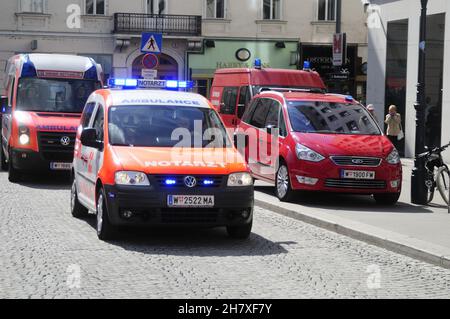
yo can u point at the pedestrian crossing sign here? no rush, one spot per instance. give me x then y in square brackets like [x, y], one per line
[151, 43]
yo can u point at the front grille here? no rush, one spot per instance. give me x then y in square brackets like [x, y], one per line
[179, 181]
[189, 215]
[353, 183]
[356, 161]
[52, 149]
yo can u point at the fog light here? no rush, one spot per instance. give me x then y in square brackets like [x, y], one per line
[24, 139]
[245, 214]
[307, 180]
[127, 214]
[395, 184]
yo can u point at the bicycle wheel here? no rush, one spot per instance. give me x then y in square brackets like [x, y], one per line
[443, 182]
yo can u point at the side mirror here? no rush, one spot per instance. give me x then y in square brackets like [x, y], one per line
[89, 138]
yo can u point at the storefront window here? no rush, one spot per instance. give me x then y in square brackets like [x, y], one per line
[396, 70]
[434, 78]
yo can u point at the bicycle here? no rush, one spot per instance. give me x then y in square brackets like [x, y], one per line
[437, 173]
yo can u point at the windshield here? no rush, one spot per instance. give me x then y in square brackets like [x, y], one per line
[166, 126]
[54, 95]
[331, 118]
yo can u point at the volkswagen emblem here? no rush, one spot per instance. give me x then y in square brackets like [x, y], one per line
[357, 161]
[190, 181]
[65, 141]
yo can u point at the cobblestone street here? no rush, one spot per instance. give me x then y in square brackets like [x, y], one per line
[47, 253]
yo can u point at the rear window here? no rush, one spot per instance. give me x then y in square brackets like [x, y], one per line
[331, 118]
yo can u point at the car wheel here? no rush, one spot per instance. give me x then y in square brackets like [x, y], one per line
[77, 210]
[13, 174]
[105, 231]
[240, 232]
[283, 188]
[3, 164]
[387, 199]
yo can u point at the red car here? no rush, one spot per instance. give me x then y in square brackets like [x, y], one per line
[318, 142]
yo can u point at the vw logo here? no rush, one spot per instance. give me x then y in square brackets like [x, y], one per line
[190, 181]
[65, 141]
[357, 161]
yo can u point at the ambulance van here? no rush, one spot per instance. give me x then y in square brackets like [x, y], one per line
[158, 158]
[46, 94]
[232, 89]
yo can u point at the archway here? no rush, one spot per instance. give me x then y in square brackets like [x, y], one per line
[167, 68]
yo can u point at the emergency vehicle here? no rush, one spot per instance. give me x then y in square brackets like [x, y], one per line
[232, 89]
[46, 95]
[302, 140]
[158, 158]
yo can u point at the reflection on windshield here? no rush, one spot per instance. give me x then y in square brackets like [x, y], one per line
[331, 118]
[53, 95]
[166, 126]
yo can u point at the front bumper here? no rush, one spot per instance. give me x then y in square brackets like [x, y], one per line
[329, 178]
[28, 160]
[149, 207]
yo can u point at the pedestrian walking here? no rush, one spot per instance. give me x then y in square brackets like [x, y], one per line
[394, 126]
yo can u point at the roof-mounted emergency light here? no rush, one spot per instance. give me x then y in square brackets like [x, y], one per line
[149, 84]
[258, 64]
[306, 66]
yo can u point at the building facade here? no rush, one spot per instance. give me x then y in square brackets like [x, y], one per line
[394, 31]
[199, 36]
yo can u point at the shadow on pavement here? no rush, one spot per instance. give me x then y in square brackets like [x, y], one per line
[335, 201]
[199, 242]
[49, 181]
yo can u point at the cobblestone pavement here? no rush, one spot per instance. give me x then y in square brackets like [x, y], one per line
[43, 250]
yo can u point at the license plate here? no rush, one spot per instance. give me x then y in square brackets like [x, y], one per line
[358, 175]
[190, 201]
[60, 166]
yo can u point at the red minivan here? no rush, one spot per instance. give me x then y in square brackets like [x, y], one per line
[318, 142]
[232, 89]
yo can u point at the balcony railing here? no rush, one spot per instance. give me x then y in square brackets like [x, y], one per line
[182, 25]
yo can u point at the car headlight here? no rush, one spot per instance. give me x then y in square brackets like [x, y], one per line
[24, 135]
[132, 179]
[306, 154]
[240, 179]
[394, 157]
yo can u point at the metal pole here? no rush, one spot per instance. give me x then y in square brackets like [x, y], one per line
[418, 187]
[338, 16]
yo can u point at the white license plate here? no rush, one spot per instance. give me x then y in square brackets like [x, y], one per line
[190, 201]
[60, 166]
[358, 175]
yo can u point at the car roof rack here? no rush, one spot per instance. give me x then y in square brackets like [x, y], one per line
[306, 90]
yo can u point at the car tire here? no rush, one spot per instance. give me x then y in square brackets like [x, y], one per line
[105, 230]
[14, 175]
[387, 199]
[283, 189]
[77, 210]
[240, 232]
[3, 163]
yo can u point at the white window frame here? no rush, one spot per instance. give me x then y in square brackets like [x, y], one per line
[225, 10]
[327, 18]
[95, 8]
[166, 10]
[271, 11]
[32, 3]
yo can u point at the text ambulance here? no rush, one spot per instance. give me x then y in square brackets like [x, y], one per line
[46, 95]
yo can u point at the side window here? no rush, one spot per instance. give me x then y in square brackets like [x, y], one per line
[244, 99]
[260, 115]
[229, 98]
[98, 123]
[87, 114]
[273, 115]
[246, 118]
[11, 92]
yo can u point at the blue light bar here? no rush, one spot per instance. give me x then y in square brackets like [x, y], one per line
[131, 82]
[207, 182]
[349, 98]
[258, 64]
[171, 182]
[147, 84]
[306, 65]
[172, 84]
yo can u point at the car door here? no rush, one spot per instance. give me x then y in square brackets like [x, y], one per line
[243, 101]
[228, 106]
[257, 123]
